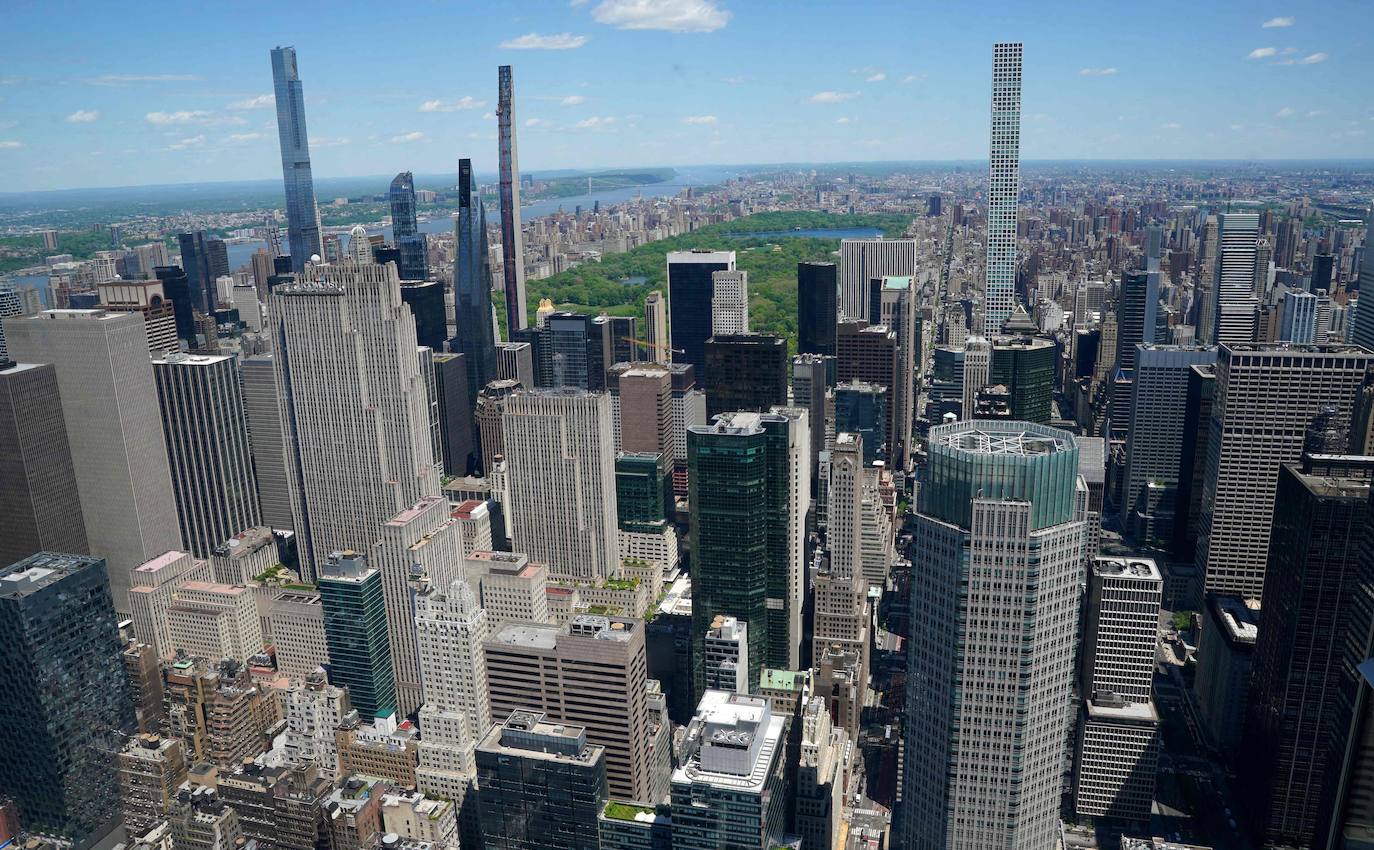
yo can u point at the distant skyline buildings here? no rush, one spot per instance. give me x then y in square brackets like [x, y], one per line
[302, 215]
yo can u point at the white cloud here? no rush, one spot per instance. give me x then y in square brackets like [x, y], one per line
[572, 100]
[244, 137]
[185, 116]
[671, 15]
[10, 144]
[84, 116]
[843, 120]
[1237, 126]
[191, 142]
[594, 122]
[538, 122]
[875, 78]
[737, 80]
[125, 79]
[1315, 113]
[832, 96]
[413, 136]
[262, 101]
[1097, 72]
[1313, 59]
[1277, 23]
[464, 102]
[535, 41]
[699, 119]
[1172, 125]
[1285, 112]
[488, 116]
[1262, 53]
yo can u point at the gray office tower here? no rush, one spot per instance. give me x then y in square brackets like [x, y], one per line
[1004, 179]
[817, 290]
[999, 543]
[195, 261]
[64, 695]
[302, 217]
[457, 431]
[109, 400]
[1154, 443]
[405, 229]
[476, 339]
[1234, 305]
[263, 416]
[512, 239]
[1135, 316]
[39, 506]
[207, 448]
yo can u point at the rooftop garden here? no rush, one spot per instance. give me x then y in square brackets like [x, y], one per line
[626, 811]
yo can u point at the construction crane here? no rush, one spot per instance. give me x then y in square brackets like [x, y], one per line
[643, 343]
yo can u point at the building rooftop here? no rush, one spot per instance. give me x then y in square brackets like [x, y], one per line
[415, 510]
[782, 680]
[181, 358]
[1144, 569]
[166, 559]
[1129, 712]
[1002, 438]
[40, 571]
[1240, 617]
[531, 635]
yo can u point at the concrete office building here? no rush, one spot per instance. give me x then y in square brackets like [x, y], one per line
[729, 789]
[424, 538]
[690, 295]
[646, 411]
[1265, 397]
[147, 298]
[450, 630]
[314, 710]
[150, 598]
[656, 343]
[543, 785]
[821, 771]
[40, 507]
[347, 372]
[725, 656]
[263, 417]
[1004, 184]
[1118, 739]
[279, 806]
[729, 303]
[298, 633]
[560, 459]
[1000, 496]
[57, 627]
[811, 377]
[1154, 443]
[589, 673]
[109, 402]
[868, 353]
[210, 620]
[840, 610]
[1234, 305]
[208, 448]
[151, 769]
[512, 589]
[865, 260]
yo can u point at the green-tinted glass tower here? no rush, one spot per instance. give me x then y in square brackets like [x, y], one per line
[643, 491]
[355, 631]
[1025, 366]
[747, 531]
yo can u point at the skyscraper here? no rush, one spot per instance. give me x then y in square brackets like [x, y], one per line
[999, 544]
[863, 261]
[1135, 316]
[347, 374]
[656, 328]
[729, 303]
[1362, 329]
[302, 216]
[263, 417]
[1233, 292]
[476, 340]
[176, 286]
[356, 630]
[512, 238]
[748, 475]
[817, 290]
[40, 509]
[745, 372]
[64, 694]
[560, 462]
[690, 294]
[195, 261]
[1004, 181]
[1265, 398]
[1311, 590]
[405, 230]
[109, 402]
[207, 448]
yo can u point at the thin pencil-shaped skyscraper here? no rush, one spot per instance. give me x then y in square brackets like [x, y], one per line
[302, 218]
[1004, 179]
[512, 240]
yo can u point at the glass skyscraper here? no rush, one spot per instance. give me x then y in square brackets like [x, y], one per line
[512, 238]
[355, 630]
[405, 229]
[476, 338]
[302, 218]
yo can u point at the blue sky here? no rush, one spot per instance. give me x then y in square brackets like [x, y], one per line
[130, 93]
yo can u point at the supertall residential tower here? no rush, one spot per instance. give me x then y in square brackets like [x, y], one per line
[472, 285]
[1004, 180]
[302, 217]
[512, 240]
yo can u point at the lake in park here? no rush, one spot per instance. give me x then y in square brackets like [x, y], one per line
[817, 233]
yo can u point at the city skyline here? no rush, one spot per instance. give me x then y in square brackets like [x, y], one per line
[588, 96]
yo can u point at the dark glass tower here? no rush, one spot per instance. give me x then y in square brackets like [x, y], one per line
[425, 298]
[1297, 677]
[64, 695]
[690, 293]
[512, 239]
[302, 218]
[355, 631]
[574, 351]
[218, 255]
[817, 289]
[745, 372]
[1135, 316]
[475, 340]
[643, 491]
[405, 229]
[1025, 366]
[861, 408]
[177, 287]
[195, 261]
